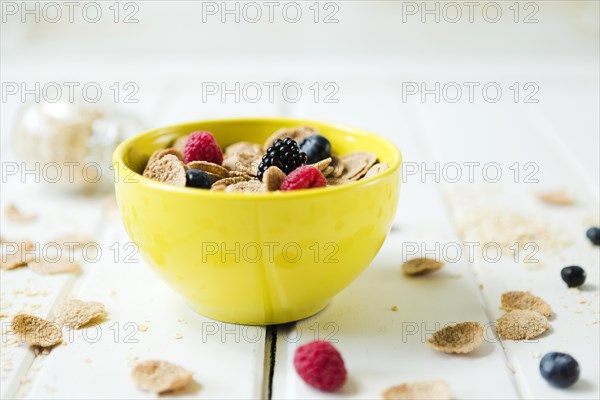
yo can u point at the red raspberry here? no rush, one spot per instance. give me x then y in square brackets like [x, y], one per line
[202, 146]
[304, 177]
[320, 365]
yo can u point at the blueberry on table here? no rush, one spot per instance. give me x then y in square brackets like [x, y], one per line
[573, 276]
[594, 235]
[197, 179]
[559, 369]
[316, 147]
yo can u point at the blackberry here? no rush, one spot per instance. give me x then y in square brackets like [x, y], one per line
[284, 154]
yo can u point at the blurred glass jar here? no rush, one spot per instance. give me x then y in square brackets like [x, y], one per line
[71, 145]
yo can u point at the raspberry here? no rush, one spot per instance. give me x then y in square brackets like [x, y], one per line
[284, 153]
[320, 365]
[202, 146]
[305, 177]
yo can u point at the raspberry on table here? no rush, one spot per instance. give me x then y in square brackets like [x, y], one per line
[304, 177]
[320, 365]
[202, 146]
[284, 154]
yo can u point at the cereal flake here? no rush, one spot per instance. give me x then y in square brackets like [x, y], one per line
[14, 214]
[336, 181]
[356, 164]
[327, 171]
[273, 178]
[168, 169]
[525, 301]
[212, 168]
[433, 389]
[557, 198]
[376, 169]
[243, 147]
[298, 133]
[338, 167]
[521, 324]
[323, 164]
[160, 153]
[47, 267]
[252, 186]
[180, 143]
[235, 174]
[420, 266]
[246, 163]
[22, 254]
[229, 181]
[460, 338]
[160, 376]
[36, 331]
[76, 313]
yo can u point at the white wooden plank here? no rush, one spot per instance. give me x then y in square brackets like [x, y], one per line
[134, 296]
[60, 211]
[381, 347]
[22, 290]
[137, 297]
[504, 134]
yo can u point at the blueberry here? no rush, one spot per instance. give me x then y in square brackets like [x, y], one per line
[559, 369]
[573, 276]
[197, 179]
[594, 235]
[316, 147]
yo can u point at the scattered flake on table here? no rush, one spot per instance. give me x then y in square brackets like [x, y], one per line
[13, 214]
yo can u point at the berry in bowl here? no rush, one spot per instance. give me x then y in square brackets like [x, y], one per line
[196, 160]
[257, 221]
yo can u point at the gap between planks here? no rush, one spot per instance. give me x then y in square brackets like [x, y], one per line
[269, 361]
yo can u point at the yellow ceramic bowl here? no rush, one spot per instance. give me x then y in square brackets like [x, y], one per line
[263, 258]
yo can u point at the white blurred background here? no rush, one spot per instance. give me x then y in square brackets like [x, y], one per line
[170, 49]
[188, 34]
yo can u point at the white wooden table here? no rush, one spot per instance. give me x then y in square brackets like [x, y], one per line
[381, 347]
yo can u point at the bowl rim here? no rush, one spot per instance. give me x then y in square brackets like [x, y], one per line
[118, 162]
